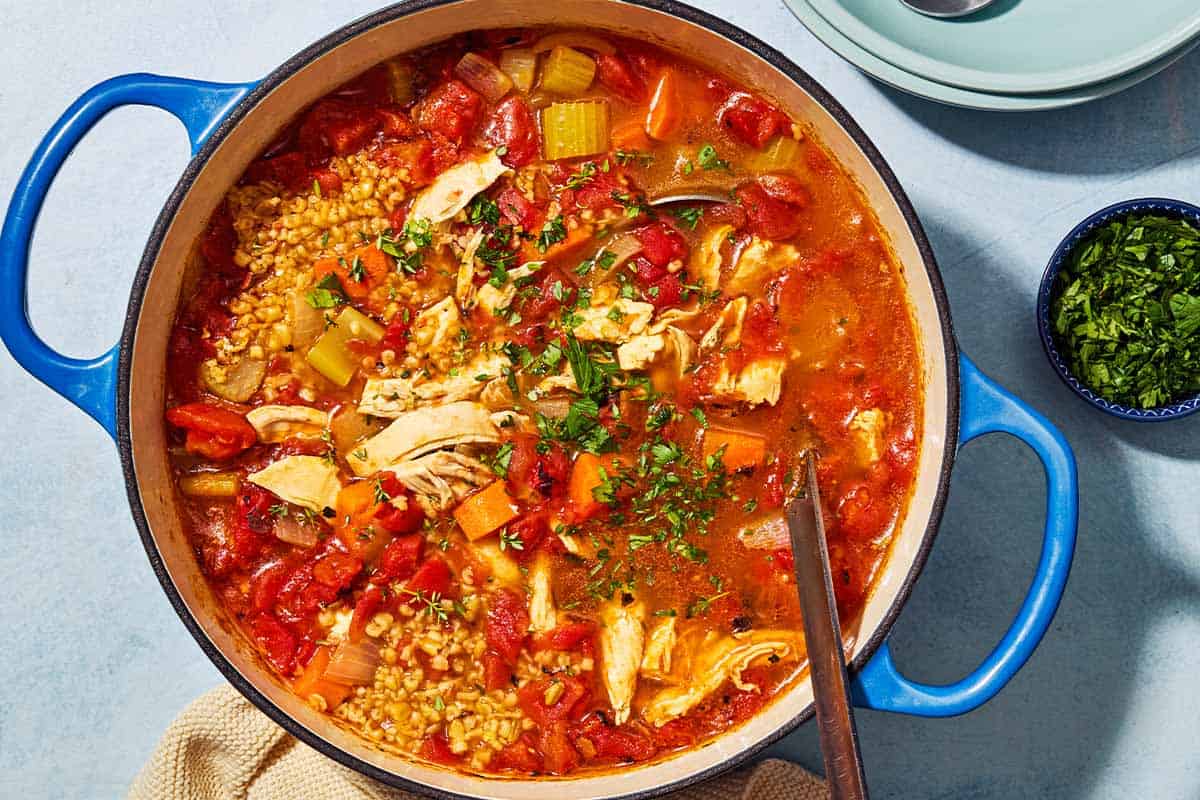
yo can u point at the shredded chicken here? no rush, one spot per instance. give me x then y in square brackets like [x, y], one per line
[867, 427]
[705, 265]
[274, 423]
[307, 481]
[464, 285]
[621, 641]
[758, 262]
[542, 615]
[391, 397]
[443, 479]
[455, 187]
[727, 330]
[423, 430]
[617, 322]
[716, 663]
[760, 381]
[660, 642]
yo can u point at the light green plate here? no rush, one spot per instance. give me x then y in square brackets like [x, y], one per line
[952, 95]
[1019, 46]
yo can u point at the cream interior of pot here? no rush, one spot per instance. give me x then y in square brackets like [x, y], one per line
[327, 72]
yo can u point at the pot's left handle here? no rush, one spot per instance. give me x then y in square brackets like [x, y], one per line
[88, 383]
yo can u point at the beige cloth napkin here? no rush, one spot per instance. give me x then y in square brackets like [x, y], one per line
[222, 748]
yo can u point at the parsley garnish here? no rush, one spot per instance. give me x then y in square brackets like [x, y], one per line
[328, 293]
[627, 157]
[1126, 311]
[553, 231]
[708, 159]
[483, 211]
[689, 215]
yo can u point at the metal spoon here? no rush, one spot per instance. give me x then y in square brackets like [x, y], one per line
[947, 9]
[823, 636]
[690, 197]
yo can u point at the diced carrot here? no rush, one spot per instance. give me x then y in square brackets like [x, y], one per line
[664, 107]
[312, 681]
[586, 478]
[630, 136]
[485, 511]
[355, 521]
[743, 450]
[358, 272]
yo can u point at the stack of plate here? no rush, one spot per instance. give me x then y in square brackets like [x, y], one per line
[1017, 55]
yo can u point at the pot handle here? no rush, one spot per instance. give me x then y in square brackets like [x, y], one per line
[989, 408]
[89, 383]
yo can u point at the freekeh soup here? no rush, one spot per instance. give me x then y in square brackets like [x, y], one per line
[486, 455]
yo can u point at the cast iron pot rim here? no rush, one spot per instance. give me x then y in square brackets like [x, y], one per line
[339, 37]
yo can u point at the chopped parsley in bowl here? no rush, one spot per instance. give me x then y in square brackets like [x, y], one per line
[1119, 310]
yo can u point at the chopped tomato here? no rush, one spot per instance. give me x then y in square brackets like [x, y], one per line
[252, 523]
[400, 520]
[507, 622]
[366, 608]
[451, 110]
[767, 216]
[395, 336]
[520, 756]
[514, 127]
[616, 75]
[436, 748]
[558, 754]
[415, 157]
[496, 672]
[212, 431]
[570, 705]
[612, 742]
[336, 570]
[219, 242]
[567, 636]
[399, 559]
[785, 189]
[666, 292]
[661, 244]
[277, 643]
[516, 210]
[752, 119]
[337, 127]
[396, 123]
[432, 577]
[266, 583]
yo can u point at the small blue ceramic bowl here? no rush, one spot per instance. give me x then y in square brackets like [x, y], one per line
[1147, 205]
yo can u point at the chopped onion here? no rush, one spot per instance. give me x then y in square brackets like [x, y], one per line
[768, 532]
[353, 664]
[307, 323]
[624, 247]
[520, 64]
[293, 531]
[483, 76]
[585, 41]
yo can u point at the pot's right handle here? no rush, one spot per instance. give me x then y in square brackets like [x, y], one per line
[988, 408]
[89, 383]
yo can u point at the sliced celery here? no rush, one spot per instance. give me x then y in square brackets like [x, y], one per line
[483, 76]
[781, 154]
[568, 71]
[331, 357]
[570, 130]
[210, 484]
[400, 79]
[519, 64]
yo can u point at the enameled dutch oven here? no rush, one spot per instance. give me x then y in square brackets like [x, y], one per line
[228, 124]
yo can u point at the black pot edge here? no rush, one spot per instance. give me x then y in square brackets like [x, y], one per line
[333, 40]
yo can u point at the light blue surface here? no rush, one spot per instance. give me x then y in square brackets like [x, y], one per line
[97, 664]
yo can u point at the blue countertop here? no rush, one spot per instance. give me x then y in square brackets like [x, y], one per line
[95, 662]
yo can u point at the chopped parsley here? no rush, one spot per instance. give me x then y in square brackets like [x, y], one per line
[707, 158]
[689, 215]
[553, 231]
[483, 211]
[1126, 311]
[328, 293]
[637, 157]
[510, 541]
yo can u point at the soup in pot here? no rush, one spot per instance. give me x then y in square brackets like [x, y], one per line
[486, 453]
